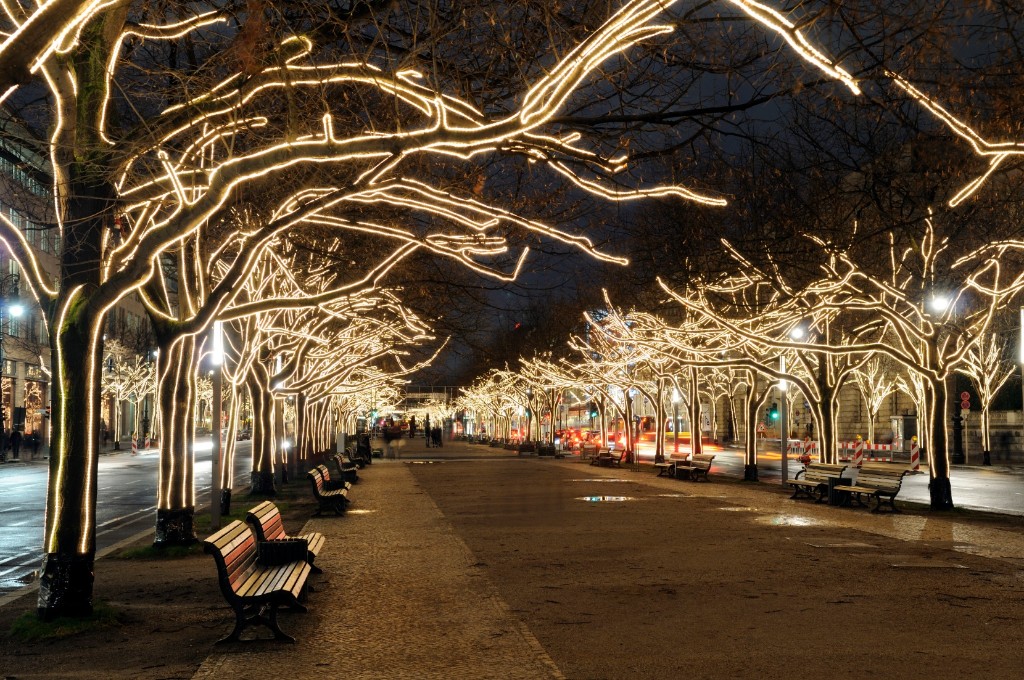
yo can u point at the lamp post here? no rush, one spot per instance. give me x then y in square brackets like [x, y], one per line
[783, 426]
[15, 309]
[217, 359]
[939, 304]
[675, 419]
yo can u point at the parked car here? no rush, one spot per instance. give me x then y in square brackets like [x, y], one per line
[243, 435]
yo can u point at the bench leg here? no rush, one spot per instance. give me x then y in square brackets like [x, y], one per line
[891, 500]
[249, 616]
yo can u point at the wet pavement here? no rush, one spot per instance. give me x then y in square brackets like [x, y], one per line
[471, 562]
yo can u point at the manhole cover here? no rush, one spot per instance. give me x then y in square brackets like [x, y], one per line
[606, 499]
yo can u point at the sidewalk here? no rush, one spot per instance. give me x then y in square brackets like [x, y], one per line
[401, 595]
[549, 587]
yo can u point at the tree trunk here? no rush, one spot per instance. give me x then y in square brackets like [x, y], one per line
[262, 473]
[939, 487]
[69, 538]
[753, 402]
[175, 514]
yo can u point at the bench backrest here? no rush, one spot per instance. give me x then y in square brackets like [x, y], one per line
[317, 479]
[882, 478]
[324, 472]
[234, 550]
[820, 472]
[265, 520]
[702, 460]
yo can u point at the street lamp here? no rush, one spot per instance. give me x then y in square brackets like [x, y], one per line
[675, 419]
[16, 310]
[783, 423]
[217, 359]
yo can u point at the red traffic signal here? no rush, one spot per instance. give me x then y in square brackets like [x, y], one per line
[965, 396]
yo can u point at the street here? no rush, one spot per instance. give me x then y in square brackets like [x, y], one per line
[125, 504]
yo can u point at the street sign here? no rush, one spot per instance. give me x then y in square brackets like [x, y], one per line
[964, 412]
[965, 396]
[761, 427]
[965, 405]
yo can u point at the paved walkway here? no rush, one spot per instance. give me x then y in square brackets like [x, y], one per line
[400, 598]
[404, 597]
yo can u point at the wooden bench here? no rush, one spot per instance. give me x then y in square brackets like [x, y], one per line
[265, 520]
[253, 589]
[879, 481]
[606, 458]
[346, 470]
[695, 467]
[668, 467]
[333, 498]
[814, 482]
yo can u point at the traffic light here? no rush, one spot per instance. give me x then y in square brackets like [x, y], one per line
[593, 410]
[773, 412]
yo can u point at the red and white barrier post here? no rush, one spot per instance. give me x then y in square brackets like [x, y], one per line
[915, 455]
[858, 452]
[135, 445]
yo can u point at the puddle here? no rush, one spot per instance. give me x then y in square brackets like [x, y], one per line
[788, 521]
[606, 499]
[423, 462]
[600, 479]
[926, 564]
[359, 511]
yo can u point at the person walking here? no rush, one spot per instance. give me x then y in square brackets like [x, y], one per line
[15, 443]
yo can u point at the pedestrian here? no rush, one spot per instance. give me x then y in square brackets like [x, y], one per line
[412, 427]
[5, 438]
[15, 443]
[35, 444]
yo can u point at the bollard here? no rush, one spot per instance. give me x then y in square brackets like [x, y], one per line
[915, 455]
[135, 446]
[858, 452]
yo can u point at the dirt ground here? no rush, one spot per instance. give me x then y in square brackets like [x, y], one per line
[166, 613]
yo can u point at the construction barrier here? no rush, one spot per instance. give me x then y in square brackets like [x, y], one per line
[135, 446]
[855, 452]
[915, 456]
